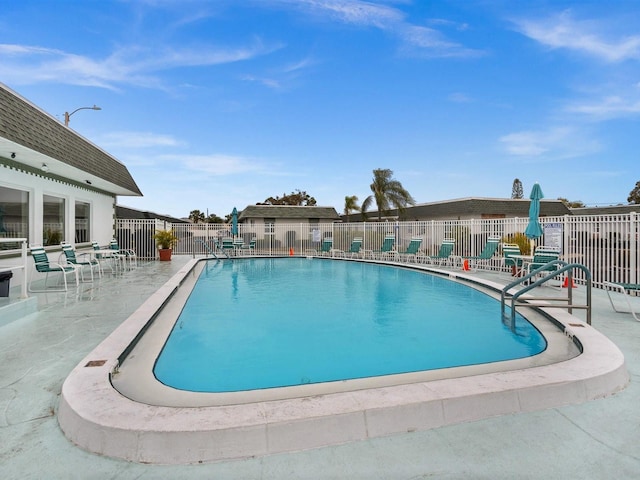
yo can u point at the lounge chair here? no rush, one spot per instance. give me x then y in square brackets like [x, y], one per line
[327, 246]
[411, 251]
[386, 248]
[43, 265]
[83, 261]
[354, 249]
[485, 256]
[623, 288]
[444, 253]
[508, 250]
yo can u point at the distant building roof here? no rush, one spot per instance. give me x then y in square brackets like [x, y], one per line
[478, 207]
[608, 210]
[289, 212]
[35, 137]
[133, 214]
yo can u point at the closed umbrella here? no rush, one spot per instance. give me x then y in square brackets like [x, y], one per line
[234, 222]
[534, 229]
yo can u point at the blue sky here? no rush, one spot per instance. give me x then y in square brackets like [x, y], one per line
[216, 104]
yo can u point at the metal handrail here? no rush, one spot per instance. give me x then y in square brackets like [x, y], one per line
[564, 267]
[212, 252]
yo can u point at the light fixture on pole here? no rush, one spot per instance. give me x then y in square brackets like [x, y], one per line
[67, 115]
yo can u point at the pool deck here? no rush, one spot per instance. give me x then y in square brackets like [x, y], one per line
[587, 440]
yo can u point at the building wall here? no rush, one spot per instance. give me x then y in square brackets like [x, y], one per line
[101, 205]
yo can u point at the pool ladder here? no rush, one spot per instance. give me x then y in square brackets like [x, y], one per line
[529, 283]
[211, 252]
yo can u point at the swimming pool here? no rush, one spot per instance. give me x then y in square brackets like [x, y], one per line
[120, 409]
[267, 323]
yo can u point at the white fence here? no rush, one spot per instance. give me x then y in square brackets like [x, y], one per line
[609, 245]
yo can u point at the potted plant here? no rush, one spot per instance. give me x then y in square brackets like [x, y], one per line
[165, 239]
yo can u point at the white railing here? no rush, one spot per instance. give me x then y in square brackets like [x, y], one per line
[608, 245]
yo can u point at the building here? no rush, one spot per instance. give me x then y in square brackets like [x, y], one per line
[470, 208]
[55, 185]
[260, 215]
[127, 213]
[303, 225]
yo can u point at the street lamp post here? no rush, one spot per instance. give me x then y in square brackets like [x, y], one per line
[67, 115]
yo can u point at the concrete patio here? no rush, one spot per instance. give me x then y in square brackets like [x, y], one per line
[597, 439]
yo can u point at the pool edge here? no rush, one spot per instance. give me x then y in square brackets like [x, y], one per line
[94, 416]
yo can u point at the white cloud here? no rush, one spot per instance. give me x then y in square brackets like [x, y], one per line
[588, 37]
[25, 64]
[552, 144]
[458, 97]
[138, 140]
[417, 39]
[610, 107]
[218, 164]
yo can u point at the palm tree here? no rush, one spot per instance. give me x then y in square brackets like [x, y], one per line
[350, 205]
[196, 216]
[387, 192]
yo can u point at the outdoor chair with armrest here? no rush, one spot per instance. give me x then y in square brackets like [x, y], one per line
[386, 248]
[508, 259]
[485, 256]
[411, 251]
[354, 248]
[542, 256]
[125, 254]
[43, 265]
[444, 253]
[81, 261]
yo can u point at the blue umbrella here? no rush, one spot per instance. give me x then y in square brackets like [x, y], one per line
[234, 222]
[534, 229]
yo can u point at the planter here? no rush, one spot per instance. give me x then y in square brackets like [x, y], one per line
[165, 254]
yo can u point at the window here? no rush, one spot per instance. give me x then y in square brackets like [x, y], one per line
[14, 216]
[269, 226]
[52, 220]
[83, 223]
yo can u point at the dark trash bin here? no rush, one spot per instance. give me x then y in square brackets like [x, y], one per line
[5, 279]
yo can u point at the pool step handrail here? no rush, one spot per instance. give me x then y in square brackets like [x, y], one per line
[529, 284]
[211, 252]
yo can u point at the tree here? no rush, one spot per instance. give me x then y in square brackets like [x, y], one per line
[387, 192]
[570, 204]
[634, 195]
[297, 197]
[213, 218]
[350, 205]
[196, 216]
[516, 190]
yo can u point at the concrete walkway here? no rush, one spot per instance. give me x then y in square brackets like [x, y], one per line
[595, 440]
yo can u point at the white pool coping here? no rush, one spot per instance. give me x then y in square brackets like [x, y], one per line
[96, 417]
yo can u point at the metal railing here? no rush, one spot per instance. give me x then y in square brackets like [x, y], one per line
[552, 270]
[607, 245]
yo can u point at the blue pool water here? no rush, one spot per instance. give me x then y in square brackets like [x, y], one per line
[264, 323]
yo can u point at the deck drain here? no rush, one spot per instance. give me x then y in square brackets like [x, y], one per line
[95, 363]
[576, 325]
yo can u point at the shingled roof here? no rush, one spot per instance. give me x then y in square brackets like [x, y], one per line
[35, 137]
[608, 210]
[128, 213]
[289, 212]
[478, 207]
